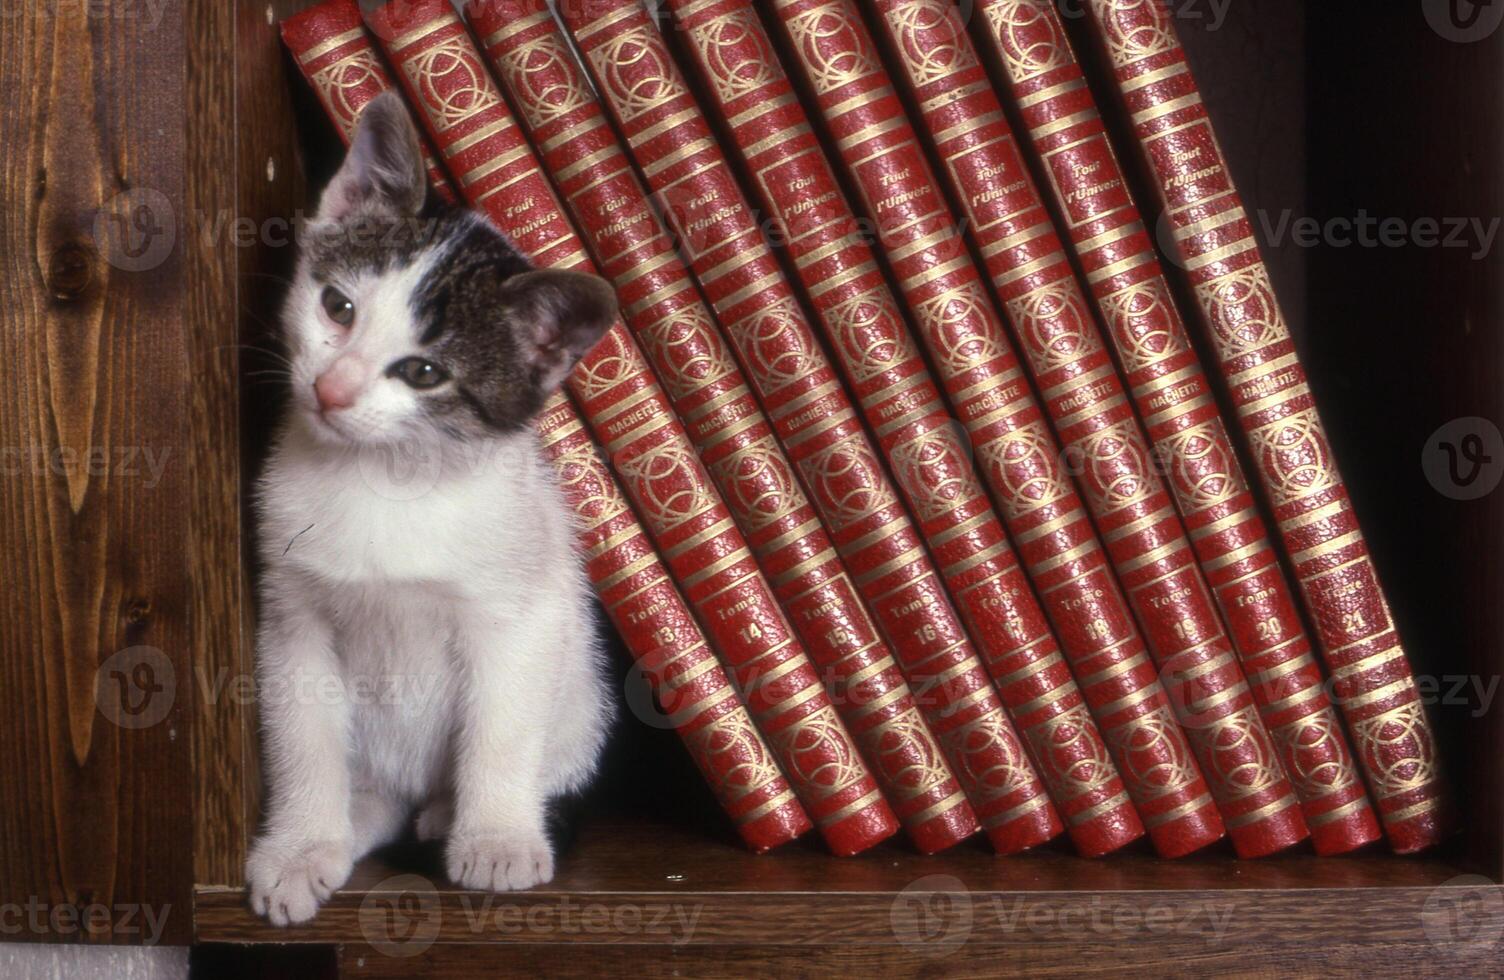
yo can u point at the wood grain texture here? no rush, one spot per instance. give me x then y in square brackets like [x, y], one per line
[94, 365]
[1087, 959]
[688, 891]
[244, 173]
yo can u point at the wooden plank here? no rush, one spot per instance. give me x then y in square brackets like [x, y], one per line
[1359, 957]
[93, 803]
[639, 881]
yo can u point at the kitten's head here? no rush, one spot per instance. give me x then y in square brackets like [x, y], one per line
[410, 319]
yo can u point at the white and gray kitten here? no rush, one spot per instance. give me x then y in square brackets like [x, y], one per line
[426, 643]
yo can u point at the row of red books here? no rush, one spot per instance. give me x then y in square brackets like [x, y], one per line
[1019, 585]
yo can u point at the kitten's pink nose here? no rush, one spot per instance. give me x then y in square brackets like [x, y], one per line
[339, 386]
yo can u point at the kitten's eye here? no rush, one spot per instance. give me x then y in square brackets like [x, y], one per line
[337, 306]
[418, 373]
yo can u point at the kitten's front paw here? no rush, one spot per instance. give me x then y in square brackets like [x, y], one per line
[287, 884]
[500, 862]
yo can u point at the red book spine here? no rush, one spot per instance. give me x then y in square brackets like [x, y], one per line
[330, 45]
[1096, 629]
[666, 642]
[1292, 457]
[657, 628]
[630, 416]
[1134, 512]
[930, 461]
[823, 433]
[1172, 394]
[662, 306]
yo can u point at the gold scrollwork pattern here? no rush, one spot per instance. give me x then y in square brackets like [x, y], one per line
[1314, 757]
[849, 481]
[957, 319]
[634, 67]
[821, 755]
[831, 46]
[869, 333]
[541, 74]
[1396, 749]
[466, 88]
[1117, 471]
[1201, 468]
[1072, 762]
[735, 52]
[1240, 756]
[1026, 467]
[935, 471]
[349, 74]
[1053, 325]
[758, 485]
[687, 350]
[609, 364]
[1138, 317]
[990, 756]
[1294, 457]
[905, 753]
[732, 748]
[597, 499]
[672, 486]
[1135, 29]
[1030, 43]
[779, 346]
[1243, 312]
[1153, 753]
[930, 39]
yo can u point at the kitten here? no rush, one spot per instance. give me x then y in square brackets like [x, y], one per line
[427, 640]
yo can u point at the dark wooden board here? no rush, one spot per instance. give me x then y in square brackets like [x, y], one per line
[662, 884]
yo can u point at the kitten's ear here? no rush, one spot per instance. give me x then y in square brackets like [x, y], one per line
[384, 166]
[559, 316]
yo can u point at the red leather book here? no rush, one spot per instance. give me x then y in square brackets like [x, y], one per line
[881, 155]
[1097, 632]
[657, 628]
[859, 315]
[687, 682]
[660, 303]
[824, 435]
[330, 45]
[934, 57]
[1292, 456]
[629, 414]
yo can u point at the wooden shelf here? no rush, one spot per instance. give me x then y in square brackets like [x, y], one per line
[645, 881]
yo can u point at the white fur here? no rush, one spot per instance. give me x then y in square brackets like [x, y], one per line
[426, 636]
